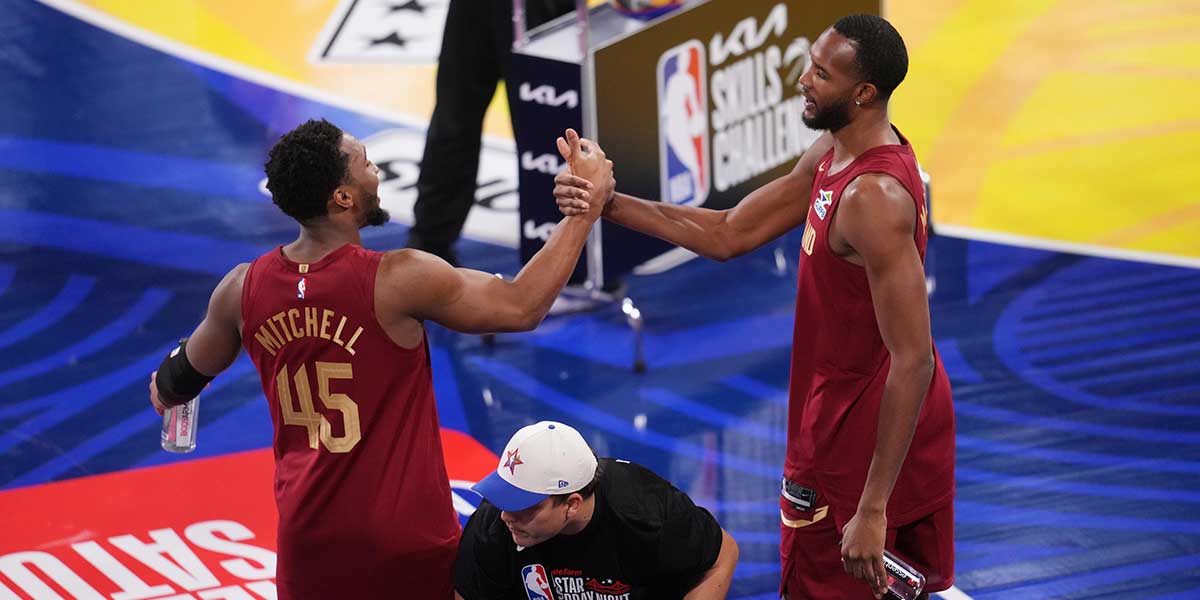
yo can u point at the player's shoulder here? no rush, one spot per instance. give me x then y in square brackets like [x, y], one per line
[410, 261]
[875, 183]
[418, 274]
[876, 207]
[225, 304]
[403, 265]
[238, 272]
[881, 190]
[233, 280]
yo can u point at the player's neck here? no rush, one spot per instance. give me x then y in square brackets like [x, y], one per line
[319, 239]
[871, 129]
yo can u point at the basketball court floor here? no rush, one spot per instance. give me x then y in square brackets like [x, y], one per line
[1066, 297]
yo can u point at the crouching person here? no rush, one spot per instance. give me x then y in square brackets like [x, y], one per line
[557, 523]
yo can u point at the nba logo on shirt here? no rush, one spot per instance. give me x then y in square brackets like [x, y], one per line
[300, 288]
[683, 125]
[537, 586]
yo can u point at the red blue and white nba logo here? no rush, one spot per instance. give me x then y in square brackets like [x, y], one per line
[537, 585]
[683, 144]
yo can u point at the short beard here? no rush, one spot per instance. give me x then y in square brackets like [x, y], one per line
[832, 118]
[378, 216]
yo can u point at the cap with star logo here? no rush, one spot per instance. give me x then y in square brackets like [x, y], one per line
[542, 459]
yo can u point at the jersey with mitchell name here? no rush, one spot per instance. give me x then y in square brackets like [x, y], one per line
[360, 481]
[840, 363]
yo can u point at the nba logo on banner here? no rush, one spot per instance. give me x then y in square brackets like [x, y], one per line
[537, 586]
[683, 125]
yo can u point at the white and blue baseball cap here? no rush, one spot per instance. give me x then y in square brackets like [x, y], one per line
[540, 460]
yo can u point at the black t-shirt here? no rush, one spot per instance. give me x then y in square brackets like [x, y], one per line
[646, 541]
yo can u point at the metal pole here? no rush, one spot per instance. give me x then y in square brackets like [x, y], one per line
[587, 84]
[581, 20]
[518, 21]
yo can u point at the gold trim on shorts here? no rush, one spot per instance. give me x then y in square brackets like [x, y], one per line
[820, 513]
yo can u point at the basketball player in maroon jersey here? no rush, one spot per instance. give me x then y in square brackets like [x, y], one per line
[336, 332]
[870, 456]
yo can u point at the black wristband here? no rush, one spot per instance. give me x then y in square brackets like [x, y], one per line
[177, 380]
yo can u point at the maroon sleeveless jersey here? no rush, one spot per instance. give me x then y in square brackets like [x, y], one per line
[840, 363]
[360, 481]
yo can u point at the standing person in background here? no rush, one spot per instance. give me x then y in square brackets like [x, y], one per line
[871, 419]
[337, 335]
[475, 56]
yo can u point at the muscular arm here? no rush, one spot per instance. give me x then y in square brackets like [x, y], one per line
[423, 287]
[763, 215]
[215, 343]
[426, 287]
[714, 584]
[877, 218]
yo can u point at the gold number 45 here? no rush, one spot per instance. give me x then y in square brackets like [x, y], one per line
[307, 417]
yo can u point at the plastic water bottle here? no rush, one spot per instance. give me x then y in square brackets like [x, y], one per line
[904, 582]
[179, 427]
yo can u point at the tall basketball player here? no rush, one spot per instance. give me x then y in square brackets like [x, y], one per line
[336, 332]
[870, 450]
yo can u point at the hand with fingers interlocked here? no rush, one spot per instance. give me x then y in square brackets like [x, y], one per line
[587, 185]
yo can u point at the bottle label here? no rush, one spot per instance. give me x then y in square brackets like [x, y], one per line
[184, 424]
[904, 582]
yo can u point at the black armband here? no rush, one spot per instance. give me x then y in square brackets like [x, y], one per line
[177, 380]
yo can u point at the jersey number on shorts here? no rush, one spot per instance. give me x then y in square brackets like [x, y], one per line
[307, 417]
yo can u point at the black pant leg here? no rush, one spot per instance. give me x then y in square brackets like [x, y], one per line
[468, 70]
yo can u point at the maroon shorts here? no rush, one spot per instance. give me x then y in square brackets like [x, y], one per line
[812, 559]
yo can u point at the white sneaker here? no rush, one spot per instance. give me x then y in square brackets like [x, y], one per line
[577, 298]
[565, 305]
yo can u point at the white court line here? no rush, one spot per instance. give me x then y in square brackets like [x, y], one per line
[1024, 241]
[153, 40]
[953, 594]
[217, 63]
[212, 61]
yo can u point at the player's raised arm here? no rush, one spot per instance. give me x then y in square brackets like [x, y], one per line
[426, 287]
[763, 215]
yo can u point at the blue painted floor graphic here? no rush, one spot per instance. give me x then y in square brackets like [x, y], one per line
[1076, 379]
